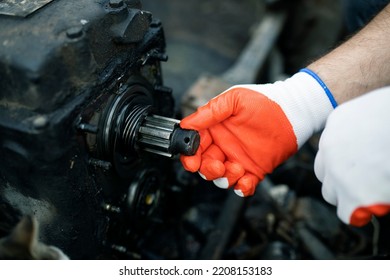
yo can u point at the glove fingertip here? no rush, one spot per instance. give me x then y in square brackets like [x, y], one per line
[222, 182]
[202, 176]
[246, 185]
[360, 217]
[239, 193]
[191, 163]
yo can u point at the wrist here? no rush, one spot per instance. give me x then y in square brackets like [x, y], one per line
[322, 84]
[303, 100]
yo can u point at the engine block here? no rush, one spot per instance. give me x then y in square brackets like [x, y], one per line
[64, 66]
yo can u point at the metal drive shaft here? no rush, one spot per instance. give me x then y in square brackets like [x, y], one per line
[163, 136]
[139, 129]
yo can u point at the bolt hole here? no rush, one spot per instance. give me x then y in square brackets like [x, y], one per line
[187, 140]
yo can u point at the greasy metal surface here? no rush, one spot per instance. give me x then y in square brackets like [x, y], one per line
[163, 136]
[59, 46]
[128, 127]
[59, 69]
[185, 141]
[21, 7]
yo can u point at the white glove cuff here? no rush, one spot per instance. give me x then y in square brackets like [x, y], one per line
[304, 99]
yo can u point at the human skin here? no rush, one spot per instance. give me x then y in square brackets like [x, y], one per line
[361, 64]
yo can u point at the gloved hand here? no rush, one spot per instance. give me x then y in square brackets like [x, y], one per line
[353, 161]
[248, 130]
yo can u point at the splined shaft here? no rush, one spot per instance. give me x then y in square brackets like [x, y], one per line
[142, 130]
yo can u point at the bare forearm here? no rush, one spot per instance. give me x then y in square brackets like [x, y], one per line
[361, 64]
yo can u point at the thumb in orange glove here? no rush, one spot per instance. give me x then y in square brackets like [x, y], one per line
[249, 130]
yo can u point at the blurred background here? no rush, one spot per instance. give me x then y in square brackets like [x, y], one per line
[207, 37]
[214, 44]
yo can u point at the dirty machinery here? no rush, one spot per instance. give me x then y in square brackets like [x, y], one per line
[88, 144]
[82, 100]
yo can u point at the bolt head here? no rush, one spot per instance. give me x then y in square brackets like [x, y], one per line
[74, 32]
[116, 3]
[40, 122]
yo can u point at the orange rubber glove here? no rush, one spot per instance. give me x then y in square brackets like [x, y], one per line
[249, 130]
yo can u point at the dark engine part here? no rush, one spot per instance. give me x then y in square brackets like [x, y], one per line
[84, 115]
[81, 98]
[128, 126]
